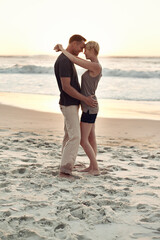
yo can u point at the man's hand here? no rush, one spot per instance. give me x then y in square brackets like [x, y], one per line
[90, 101]
[58, 47]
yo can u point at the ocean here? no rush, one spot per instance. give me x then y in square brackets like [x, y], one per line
[129, 79]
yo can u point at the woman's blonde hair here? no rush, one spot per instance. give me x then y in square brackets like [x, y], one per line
[92, 45]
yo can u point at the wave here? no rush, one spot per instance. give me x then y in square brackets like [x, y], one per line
[27, 69]
[33, 69]
[130, 73]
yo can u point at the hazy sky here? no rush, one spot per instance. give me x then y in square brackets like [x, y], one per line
[122, 27]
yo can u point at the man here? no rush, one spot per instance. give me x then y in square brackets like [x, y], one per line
[70, 98]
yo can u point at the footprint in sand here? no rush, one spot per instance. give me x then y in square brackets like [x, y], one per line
[61, 231]
[44, 223]
[4, 147]
[19, 171]
[153, 168]
[28, 234]
[81, 237]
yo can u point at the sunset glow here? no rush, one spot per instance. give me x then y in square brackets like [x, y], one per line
[122, 27]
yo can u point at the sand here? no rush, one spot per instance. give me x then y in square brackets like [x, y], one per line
[122, 203]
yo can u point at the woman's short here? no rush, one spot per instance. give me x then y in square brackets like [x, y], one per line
[88, 118]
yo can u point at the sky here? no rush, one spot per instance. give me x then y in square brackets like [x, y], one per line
[121, 27]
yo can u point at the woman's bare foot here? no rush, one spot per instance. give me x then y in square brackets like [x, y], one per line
[86, 169]
[94, 172]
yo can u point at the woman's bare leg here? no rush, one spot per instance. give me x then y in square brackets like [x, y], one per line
[92, 139]
[85, 132]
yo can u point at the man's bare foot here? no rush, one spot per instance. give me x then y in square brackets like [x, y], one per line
[68, 176]
[94, 172]
[86, 169]
[65, 175]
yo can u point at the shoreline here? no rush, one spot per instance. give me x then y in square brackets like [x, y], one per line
[108, 108]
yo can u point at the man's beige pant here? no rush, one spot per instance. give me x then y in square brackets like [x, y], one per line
[71, 138]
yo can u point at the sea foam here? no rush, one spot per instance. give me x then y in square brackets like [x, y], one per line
[107, 72]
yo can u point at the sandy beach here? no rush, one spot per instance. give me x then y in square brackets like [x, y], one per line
[122, 203]
[121, 42]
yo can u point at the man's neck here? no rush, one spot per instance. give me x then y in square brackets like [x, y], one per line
[69, 49]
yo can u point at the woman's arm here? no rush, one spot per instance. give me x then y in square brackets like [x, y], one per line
[92, 66]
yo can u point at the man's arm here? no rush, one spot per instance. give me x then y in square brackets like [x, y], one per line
[75, 94]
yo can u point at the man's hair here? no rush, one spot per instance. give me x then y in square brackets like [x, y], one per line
[77, 38]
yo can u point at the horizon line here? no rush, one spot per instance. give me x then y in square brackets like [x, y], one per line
[105, 56]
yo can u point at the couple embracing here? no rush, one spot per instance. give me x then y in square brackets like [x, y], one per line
[72, 95]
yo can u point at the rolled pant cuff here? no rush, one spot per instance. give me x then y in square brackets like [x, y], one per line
[66, 169]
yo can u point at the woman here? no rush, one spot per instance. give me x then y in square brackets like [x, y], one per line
[89, 85]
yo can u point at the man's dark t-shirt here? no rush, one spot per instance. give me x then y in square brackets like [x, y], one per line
[65, 68]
